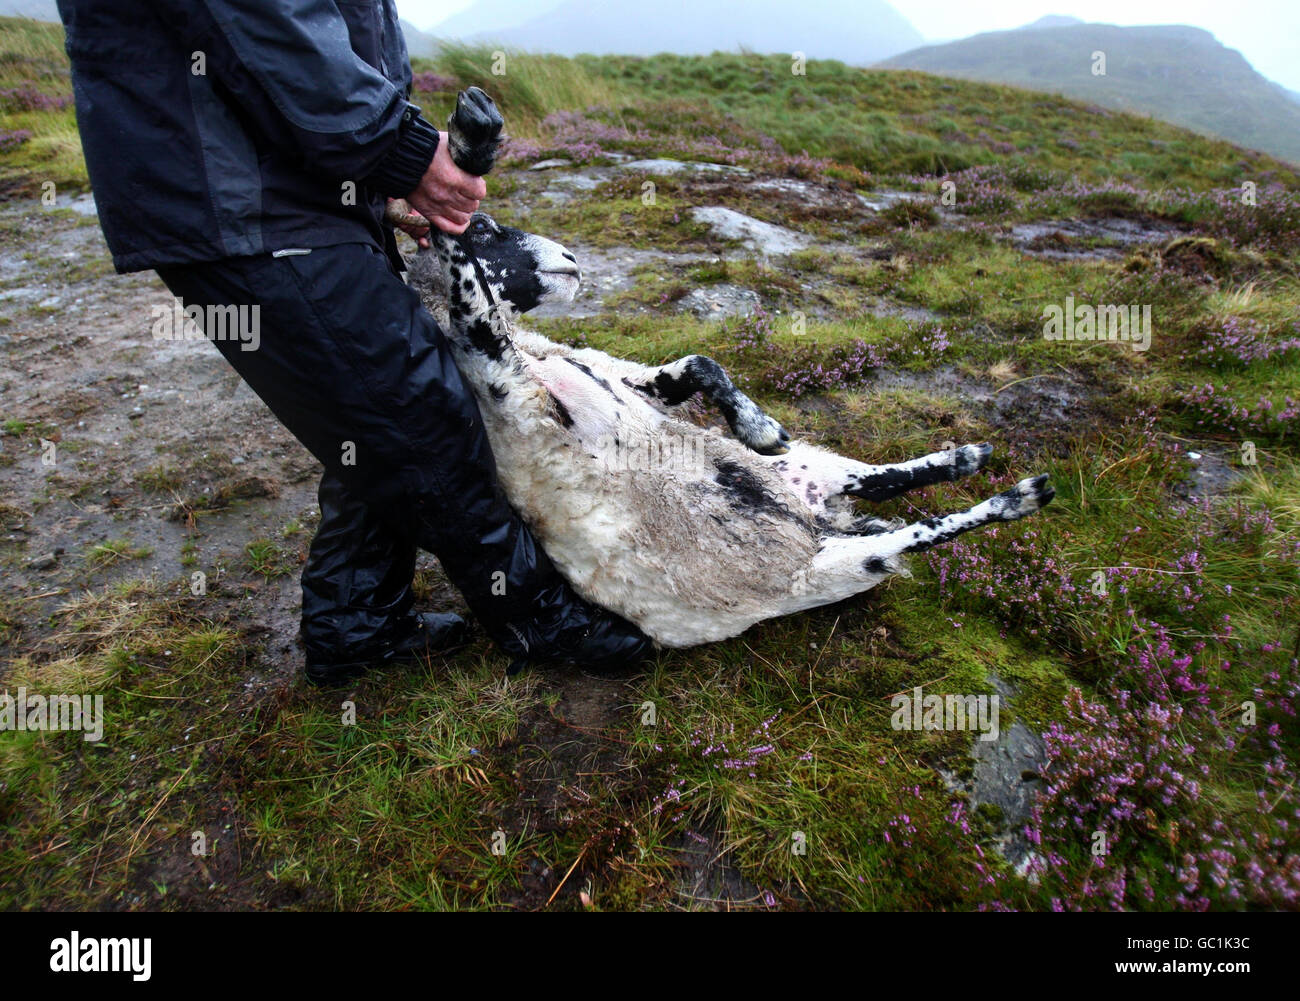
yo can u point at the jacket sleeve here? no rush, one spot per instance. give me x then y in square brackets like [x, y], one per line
[289, 68]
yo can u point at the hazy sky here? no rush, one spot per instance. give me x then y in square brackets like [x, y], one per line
[1267, 32]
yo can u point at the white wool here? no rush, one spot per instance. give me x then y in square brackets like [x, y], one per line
[679, 548]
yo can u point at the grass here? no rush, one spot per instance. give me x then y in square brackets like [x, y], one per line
[268, 560]
[43, 146]
[105, 554]
[881, 122]
[162, 478]
[532, 86]
[452, 786]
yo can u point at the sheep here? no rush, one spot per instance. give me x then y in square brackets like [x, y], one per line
[691, 534]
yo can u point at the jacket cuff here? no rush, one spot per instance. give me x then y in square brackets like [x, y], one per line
[400, 171]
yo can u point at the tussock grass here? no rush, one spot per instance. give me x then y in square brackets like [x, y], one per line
[529, 86]
[32, 60]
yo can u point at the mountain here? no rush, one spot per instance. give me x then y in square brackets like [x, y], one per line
[855, 31]
[491, 15]
[1178, 73]
[1052, 21]
[418, 43]
[41, 10]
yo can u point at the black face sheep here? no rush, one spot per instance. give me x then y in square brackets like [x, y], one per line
[692, 534]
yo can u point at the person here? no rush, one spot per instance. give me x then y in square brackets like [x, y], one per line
[245, 150]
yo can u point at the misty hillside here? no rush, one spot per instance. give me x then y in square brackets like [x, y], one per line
[855, 32]
[491, 15]
[1181, 74]
[1052, 21]
[418, 43]
[41, 10]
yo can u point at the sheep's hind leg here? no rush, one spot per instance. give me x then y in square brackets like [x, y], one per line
[1022, 500]
[677, 382]
[825, 481]
[849, 565]
[877, 483]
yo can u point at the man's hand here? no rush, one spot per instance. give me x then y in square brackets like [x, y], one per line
[446, 196]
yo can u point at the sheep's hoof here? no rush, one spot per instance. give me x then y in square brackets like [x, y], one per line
[1025, 498]
[970, 459]
[766, 437]
[474, 132]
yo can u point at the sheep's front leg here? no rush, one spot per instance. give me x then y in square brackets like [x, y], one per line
[677, 382]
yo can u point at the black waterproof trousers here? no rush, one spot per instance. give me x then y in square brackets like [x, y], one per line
[355, 367]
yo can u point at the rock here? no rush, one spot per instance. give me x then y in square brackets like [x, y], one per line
[763, 237]
[1213, 473]
[548, 164]
[581, 181]
[43, 562]
[721, 300]
[788, 186]
[1008, 775]
[878, 201]
[1067, 238]
[81, 204]
[913, 314]
[663, 166]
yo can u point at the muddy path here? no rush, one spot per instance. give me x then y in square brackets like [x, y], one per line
[114, 439]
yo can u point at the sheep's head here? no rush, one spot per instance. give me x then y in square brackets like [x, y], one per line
[523, 269]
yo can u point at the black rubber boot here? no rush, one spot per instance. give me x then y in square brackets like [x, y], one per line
[357, 581]
[578, 633]
[520, 598]
[410, 638]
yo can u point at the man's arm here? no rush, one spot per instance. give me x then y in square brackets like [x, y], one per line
[289, 67]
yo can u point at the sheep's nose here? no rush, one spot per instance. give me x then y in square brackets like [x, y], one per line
[569, 257]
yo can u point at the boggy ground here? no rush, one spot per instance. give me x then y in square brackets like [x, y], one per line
[1126, 629]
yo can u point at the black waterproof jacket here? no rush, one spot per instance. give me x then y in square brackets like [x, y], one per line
[223, 128]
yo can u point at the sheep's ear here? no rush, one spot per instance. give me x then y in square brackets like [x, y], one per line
[474, 131]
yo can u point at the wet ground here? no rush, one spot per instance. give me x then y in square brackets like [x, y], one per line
[157, 450]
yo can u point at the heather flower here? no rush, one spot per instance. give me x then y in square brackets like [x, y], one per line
[433, 83]
[18, 99]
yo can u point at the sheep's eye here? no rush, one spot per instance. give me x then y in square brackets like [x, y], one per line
[481, 226]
